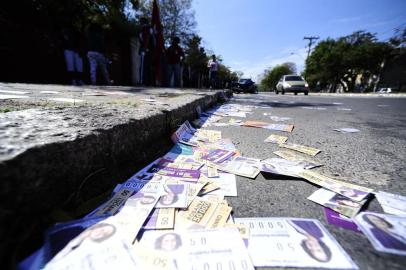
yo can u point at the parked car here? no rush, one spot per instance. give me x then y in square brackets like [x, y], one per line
[292, 83]
[385, 90]
[244, 86]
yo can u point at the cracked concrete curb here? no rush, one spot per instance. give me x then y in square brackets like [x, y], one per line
[63, 170]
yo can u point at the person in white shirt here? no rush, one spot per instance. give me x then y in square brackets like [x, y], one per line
[213, 68]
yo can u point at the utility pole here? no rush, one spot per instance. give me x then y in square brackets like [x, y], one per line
[310, 44]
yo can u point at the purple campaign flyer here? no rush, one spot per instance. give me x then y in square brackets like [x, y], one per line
[218, 155]
[177, 172]
[341, 221]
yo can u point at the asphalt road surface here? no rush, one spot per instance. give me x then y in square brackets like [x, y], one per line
[374, 158]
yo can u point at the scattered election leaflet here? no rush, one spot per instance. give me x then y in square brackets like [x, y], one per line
[282, 166]
[293, 242]
[392, 203]
[260, 124]
[200, 249]
[160, 219]
[113, 205]
[204, 213]
[339, 220]
[276, 139]
[279, 119]
[354, 192]
[387, 233]
[218, 155]
[175, 196]
[139, 205]
[244, 166]
[280, 127]
[292, 156]
[301, 148]
[336, 202]
[347, 130]
[98, 247]
[227, 185]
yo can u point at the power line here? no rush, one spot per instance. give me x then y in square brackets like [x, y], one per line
[310, 43]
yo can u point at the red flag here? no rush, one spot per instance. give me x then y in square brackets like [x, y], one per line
[159, 41]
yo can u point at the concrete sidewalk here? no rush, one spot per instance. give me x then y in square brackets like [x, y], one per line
[62, 146]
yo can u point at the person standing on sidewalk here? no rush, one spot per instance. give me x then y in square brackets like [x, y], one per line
[213, 68]
[73, 59]
[174, 55]
[97, 59]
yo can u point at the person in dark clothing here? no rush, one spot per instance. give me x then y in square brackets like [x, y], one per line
[97, 59]
[174, 55]
[145, 52]
[73, 59]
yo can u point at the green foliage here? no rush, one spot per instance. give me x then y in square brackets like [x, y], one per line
[177, 17]
[341, 61]
[271, 77]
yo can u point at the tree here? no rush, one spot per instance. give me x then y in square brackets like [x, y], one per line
[342, 61]
[195, 61]
[272, 76]
[177, 17]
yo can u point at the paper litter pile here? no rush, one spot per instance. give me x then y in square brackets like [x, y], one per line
[173, 214]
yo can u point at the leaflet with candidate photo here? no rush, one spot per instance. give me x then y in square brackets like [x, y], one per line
[174, 196]
[292, 156]
[387, 233]
[244, 166]
[352, 191]
[201, 250]
[336, 202]
[293, 242]
[283, 167]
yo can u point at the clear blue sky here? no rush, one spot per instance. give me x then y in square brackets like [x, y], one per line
[252, 35]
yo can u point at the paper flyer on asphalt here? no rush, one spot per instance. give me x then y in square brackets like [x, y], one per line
[336, 202]
[180, 162]
[200, 211]
[352, 191]
[347, 130]
[201, 250]
[270, 126]
[174, 196]
[301, 148]
[291, 155]
[336, 219]
[186, 174]
[98, 247]
[392, 203]
[279, 118]
[227, 185]
[387, 233]
[282, 166]
[276, 139]
[139, 205]
[244, 166]
[293, 242]
[218, 155]
[160, 219]
[280, 127]
[209, 187]
[208, 135]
